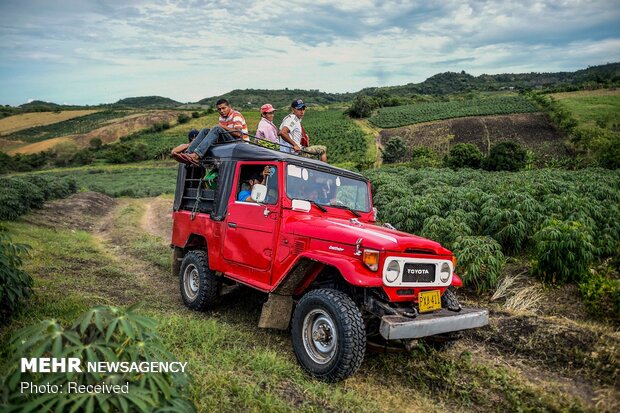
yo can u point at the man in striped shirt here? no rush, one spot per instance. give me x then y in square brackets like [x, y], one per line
[231, 126]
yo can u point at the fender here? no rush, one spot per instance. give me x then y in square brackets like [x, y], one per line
[456, 281]
[310, 263]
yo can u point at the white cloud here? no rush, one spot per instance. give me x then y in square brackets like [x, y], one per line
[188, 50]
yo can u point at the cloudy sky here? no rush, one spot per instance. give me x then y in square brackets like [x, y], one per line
[89, 52]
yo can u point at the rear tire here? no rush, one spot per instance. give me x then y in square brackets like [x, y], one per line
[328, 334]
[199, 285]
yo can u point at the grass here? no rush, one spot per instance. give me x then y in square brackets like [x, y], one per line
[593, 108]
[233, 365]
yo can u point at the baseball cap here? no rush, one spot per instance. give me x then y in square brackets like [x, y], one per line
[298, 104]
[192, 134]
[266, 108]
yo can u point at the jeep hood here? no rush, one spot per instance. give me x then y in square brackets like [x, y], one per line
[343, 231]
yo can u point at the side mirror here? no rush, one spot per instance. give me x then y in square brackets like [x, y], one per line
[301, 205]
[259, 192]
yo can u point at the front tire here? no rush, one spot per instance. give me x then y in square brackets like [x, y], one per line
[199, 285]
[328, 334]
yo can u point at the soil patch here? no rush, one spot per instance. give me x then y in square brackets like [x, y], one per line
[531, 130]
[157, 218]
[79, 211]
[569, 348]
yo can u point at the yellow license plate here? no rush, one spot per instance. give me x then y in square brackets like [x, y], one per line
[429, 301]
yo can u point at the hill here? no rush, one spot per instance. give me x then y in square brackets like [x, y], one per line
[441, 84]
[148, 102]
[451, 82]
[280, 98]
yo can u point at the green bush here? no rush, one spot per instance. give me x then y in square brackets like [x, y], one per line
[424, 157]
[479, 261]
[19, 195]
[15, 283]
[101, 334]
[445, 230]
[564, 251]
[464, 155]
[195, 115]
[394, 151]
[602, 296]
[361, 108]
[506, 156]
[183, 118]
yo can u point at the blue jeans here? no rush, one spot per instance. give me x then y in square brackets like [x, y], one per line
[208, 137]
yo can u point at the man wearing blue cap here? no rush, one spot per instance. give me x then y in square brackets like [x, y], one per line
[293, 136]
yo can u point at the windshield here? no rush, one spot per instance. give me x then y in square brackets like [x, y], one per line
[326, 188]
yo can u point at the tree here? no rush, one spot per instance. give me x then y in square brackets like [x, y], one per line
[361, 107]
[96, 143]
[394, 151]
[506, 156]
[464, 155]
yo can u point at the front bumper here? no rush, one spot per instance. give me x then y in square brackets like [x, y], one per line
[394, 327]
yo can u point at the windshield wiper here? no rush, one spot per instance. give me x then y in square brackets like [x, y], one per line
[316, 204]
[354, 212]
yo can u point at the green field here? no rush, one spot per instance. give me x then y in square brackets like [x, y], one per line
[593, 108]
[132, 180]
[233, 365]
[393, 117]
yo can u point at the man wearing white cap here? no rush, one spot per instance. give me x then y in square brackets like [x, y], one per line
[294, 137]
[267, 130]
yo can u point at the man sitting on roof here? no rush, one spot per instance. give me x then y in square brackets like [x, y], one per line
[293, 136]
[231, 126]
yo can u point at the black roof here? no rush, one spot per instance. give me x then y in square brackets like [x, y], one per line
[243, 151]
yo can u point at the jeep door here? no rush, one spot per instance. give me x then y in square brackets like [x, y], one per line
[250, 229]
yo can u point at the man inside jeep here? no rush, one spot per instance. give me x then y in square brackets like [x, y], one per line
[254, 178]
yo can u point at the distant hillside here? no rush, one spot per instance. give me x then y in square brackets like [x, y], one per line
[440, 84]
[148, 102]
[254, 98]
[451, 82]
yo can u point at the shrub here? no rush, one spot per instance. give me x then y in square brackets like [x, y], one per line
[15, 283]
[394, 151]
[424, 157]
[183, 118]
[479, 261]
[361, 107]
[96, 143]
[445, 230]
[506, 156]
[195, 115]
[464, 155]
[17, 196]
[101, 334]
[601, 295]
[564, 251]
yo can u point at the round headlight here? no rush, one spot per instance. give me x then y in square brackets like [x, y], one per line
[444, 274]
[392, 271]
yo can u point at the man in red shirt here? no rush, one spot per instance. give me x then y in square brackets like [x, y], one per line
[231, 126]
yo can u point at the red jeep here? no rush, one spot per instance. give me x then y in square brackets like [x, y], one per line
[308, 237]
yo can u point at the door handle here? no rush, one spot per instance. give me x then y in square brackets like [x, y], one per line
[232, 225]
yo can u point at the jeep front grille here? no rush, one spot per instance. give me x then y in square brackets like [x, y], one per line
[421, 273]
